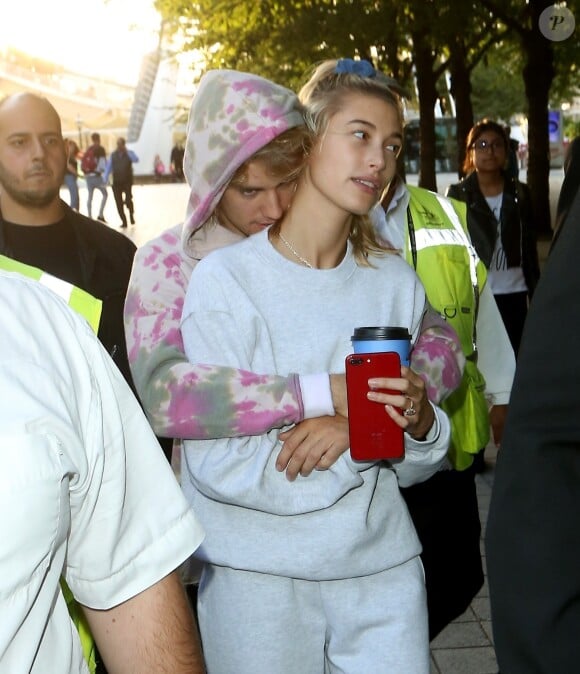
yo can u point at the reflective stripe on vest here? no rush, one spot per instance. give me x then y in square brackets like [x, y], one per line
[81, 301]
[447, 237]
[439, 224]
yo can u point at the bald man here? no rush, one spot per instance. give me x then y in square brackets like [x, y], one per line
[39, 229]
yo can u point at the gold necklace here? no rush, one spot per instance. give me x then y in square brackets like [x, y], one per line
[294, 251]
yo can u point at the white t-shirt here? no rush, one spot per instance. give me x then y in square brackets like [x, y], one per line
[85, 490]
[502, 279]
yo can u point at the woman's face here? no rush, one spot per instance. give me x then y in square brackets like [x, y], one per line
[356, 157]
[489, 152]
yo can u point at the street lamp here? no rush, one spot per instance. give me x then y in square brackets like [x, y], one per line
[80, 128]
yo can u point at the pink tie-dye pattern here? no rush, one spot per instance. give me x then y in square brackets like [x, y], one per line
[174, 338]
[182, 398]
[439, 360]
[152, 259]
[251, 378]
[249, 86]
[172, 262]
[177, 395]
[252, 423]
[271, 113]
[170, 239]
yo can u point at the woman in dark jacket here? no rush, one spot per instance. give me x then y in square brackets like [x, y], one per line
[500, 222]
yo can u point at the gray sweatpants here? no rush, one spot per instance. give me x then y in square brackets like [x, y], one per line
[254, 623]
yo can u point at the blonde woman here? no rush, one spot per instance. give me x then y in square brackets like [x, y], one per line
[320, 573]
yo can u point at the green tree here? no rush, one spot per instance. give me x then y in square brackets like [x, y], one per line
[538, 73]
[497, 86]
[416, 41]
[474, 33]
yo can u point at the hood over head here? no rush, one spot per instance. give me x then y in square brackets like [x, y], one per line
[232, 116]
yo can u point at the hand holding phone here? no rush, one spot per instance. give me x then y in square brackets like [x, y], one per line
[373, 434]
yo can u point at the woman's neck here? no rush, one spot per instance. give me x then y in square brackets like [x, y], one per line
[312, 231]
[491, 183]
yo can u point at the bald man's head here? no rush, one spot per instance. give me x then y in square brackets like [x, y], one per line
[32, 153]
[27, 100]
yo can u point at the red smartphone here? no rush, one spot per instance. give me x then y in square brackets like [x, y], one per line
[373, 434]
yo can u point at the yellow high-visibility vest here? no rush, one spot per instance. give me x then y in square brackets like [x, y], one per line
[441, 252]
[81, 301]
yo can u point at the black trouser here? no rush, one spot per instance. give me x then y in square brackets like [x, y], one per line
[123, 196]
[513, 308]
[445, 513]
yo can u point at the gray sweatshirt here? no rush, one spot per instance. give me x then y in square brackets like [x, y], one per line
[249, 307]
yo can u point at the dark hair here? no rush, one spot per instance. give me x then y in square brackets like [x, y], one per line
[477, 130]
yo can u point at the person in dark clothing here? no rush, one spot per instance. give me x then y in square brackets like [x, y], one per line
[39, 229]
[533, 529]
[120, 164]
[93, 165]
[501, 223]
[176, 159]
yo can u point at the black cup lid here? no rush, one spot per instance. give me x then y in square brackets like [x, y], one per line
[380, 332]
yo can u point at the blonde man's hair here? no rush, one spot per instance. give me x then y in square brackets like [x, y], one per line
[282, 157]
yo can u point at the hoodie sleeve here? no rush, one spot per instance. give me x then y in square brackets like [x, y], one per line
[437, 357]
[181, 399]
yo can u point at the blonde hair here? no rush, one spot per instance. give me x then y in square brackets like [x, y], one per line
[282, 157]
[323, 96]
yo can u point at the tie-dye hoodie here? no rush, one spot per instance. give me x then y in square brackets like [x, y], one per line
[232, 116]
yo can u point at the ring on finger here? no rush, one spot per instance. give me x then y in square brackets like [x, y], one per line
[410, 411]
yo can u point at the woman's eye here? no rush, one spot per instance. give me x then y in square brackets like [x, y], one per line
[395, 149]
[363, 135]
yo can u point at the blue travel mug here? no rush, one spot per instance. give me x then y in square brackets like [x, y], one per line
[383, 338]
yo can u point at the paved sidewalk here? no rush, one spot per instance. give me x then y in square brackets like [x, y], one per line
[466, 645]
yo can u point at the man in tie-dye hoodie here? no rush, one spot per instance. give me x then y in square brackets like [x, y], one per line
[241, 158]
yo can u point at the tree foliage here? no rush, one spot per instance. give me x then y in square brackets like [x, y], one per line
[499, 62]
[497, 86]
